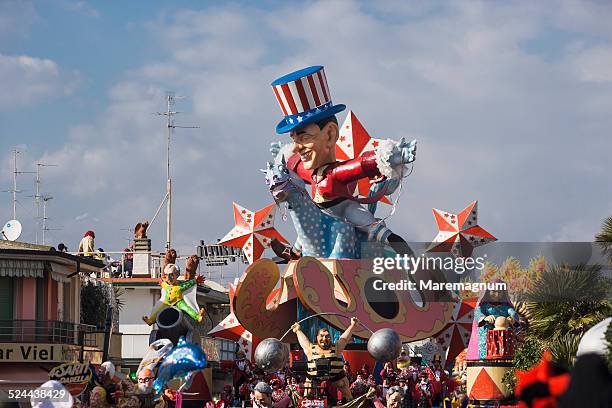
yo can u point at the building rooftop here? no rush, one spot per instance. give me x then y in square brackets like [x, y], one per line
[24, 250]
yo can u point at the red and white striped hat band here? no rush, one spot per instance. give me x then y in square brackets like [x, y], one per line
[303, 94]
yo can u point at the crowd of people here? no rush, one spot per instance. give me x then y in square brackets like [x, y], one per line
[409, 383]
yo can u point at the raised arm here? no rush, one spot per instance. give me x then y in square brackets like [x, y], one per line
[346, 336]
[187, 284]
[302, 339]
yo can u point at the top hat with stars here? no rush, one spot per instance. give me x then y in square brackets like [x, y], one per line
[304, 98]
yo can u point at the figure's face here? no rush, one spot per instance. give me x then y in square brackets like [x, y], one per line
[171, 278]
[324, 339]
[494, 295]
[145, 379]
[97, 397]
[262, 400]
[394, 400]
[315, 146]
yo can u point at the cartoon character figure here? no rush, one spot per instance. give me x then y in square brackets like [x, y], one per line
[325, 351]
[491, 305]
[172, 295]
[97, 398]
[311, 123]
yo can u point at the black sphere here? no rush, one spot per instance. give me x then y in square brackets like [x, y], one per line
[271, 355]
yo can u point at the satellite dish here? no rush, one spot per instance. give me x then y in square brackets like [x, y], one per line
[11, 230]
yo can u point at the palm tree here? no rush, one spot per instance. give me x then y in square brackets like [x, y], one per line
[568, 301]
[604, 238]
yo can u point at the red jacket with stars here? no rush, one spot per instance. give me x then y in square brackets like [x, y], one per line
[339, 179]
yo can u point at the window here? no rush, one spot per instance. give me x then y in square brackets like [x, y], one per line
[6, 298]
[227, 349]
[41, 299]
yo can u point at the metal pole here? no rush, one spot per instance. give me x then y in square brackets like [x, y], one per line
[169, 182]
[15, 184]
[44, 221]
[37, 200]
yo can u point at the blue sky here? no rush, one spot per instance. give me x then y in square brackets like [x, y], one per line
[510, 103]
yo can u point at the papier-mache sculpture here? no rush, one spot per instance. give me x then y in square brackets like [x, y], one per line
[310, 120]
[178, 294]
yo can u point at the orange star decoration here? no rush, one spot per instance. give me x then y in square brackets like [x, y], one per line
[459, 234]
[253, 231]
[352, 142]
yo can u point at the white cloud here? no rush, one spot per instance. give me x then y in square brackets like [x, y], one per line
[80, 7]
[494, 122]
[594, 64]
[27, 80]
[81, 217]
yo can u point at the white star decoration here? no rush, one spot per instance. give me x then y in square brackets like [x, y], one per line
[253, 231]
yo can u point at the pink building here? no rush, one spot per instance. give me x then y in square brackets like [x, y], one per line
[40, 313]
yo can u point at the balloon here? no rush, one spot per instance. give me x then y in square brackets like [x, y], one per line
[271, 355]
[385, 345]
[155, 354]
[183, 361]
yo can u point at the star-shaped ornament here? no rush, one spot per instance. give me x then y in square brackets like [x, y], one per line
[352, 142]
[459, 233]
[253, 231]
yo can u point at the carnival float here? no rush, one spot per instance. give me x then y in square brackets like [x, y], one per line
[303, 308]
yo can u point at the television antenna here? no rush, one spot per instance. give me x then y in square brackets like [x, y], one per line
[131, 234]
[38, 197]
[14, 190]
[169, 114]
[45, 199]
[11, 230]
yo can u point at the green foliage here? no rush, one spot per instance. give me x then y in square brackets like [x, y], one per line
[93, 305]
[567, 301]
[609, 341]
[528, 353]
[604, 238]
[564, 348]
[561, 305]
[119, 302]
[96, 299]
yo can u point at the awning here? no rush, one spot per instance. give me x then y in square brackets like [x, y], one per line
[25, 268]
[22, 268]
[59, 277]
